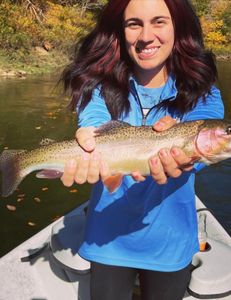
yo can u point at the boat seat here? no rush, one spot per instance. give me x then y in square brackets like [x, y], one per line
[211, 278]
[66, 238]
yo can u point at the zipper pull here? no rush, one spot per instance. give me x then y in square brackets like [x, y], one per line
[144, 120]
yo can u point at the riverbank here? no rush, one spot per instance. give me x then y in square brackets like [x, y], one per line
[38, 61]
[43, 61]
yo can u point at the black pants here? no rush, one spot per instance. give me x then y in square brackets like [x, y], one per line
[116, 283]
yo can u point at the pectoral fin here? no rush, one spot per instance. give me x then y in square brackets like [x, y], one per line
[49, 174]
[113, 182]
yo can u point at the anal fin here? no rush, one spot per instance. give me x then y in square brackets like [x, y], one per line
[113, 182]
[49, 174]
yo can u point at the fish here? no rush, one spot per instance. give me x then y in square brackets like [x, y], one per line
[124, 147]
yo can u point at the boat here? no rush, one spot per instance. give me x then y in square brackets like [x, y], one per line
[47, 265]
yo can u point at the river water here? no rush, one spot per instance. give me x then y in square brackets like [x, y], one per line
[33, 109]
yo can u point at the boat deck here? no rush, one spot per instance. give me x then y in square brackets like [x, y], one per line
[32, 272]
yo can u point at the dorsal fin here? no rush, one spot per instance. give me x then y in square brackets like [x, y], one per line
[111, 126]
[46, 142]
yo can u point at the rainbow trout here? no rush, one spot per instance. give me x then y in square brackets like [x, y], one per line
[125, 148]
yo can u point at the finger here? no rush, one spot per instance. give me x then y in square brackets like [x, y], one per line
[85, 138]
[137, 176]
[82, 168]
[164, 123]
[69, 173]
[94, 166]
[170, 166]
[183, 161]
[157, 171]
[104, 170]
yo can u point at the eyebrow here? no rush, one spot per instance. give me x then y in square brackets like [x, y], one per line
[139, 20]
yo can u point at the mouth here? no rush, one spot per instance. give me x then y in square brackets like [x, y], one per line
[146, 53]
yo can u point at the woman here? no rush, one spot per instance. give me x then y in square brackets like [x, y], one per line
[144, 63]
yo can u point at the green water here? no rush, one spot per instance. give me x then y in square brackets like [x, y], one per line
[32, 109]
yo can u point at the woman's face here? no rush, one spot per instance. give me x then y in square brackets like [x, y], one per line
[149, 34]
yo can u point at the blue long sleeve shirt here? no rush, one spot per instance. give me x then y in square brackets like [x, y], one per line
[145, 225]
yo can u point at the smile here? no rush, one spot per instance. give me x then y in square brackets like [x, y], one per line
[147, 52]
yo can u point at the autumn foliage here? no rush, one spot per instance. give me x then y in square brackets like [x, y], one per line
[215, 17]
[50, 23]
[58, 24]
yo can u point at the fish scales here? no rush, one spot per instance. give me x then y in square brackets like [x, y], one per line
[125, 148]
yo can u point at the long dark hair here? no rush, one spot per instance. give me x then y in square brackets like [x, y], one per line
[102, 60]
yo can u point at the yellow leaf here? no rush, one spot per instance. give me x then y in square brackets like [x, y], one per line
[31, 223]
[37, 199]
[11, 207]
[73, 191]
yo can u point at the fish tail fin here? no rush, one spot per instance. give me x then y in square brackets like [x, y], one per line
[10, 169]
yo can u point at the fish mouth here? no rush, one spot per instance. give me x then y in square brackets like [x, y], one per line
[213, 143]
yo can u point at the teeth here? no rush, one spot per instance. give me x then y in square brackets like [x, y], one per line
[148, 50]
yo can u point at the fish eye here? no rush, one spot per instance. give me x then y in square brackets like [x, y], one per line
[228, 130]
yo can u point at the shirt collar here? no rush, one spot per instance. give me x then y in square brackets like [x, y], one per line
[169, 91]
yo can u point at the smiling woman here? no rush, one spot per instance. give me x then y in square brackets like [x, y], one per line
[140, 65]
[149, 37]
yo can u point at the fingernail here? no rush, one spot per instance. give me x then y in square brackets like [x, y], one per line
[159, 124]
[96, 155]
[163, 153]
[154, 161]
[89, 144]
[86, 156]
[175, 151]
[71, 163]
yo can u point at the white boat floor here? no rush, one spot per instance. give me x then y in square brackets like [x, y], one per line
[42, 277]
[34, 279]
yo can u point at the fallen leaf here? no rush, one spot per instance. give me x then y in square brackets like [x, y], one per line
[31, 223]
[21, 195]
[20, 199]
[37, 199]
[73, 191]
[49, 114]
[11, 207]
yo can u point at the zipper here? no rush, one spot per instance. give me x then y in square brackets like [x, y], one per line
[144, 116]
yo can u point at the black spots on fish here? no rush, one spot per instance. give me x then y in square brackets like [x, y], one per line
[111, 127]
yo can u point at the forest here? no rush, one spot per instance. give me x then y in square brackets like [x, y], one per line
[38, 35]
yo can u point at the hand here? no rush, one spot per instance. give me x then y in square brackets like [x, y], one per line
[168, 162]
[89, 168]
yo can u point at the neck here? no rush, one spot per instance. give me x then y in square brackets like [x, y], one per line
[150, 78]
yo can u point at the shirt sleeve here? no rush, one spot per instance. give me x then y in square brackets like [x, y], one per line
[95, 113]
[210, 108]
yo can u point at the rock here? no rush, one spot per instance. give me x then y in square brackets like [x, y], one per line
[40, 51]
[47, 46]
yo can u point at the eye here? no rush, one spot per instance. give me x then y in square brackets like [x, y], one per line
[132, 25]
[228, 130]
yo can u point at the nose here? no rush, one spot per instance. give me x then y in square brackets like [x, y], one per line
[147, 34]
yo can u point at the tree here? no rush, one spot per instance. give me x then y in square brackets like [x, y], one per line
[201, 6]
